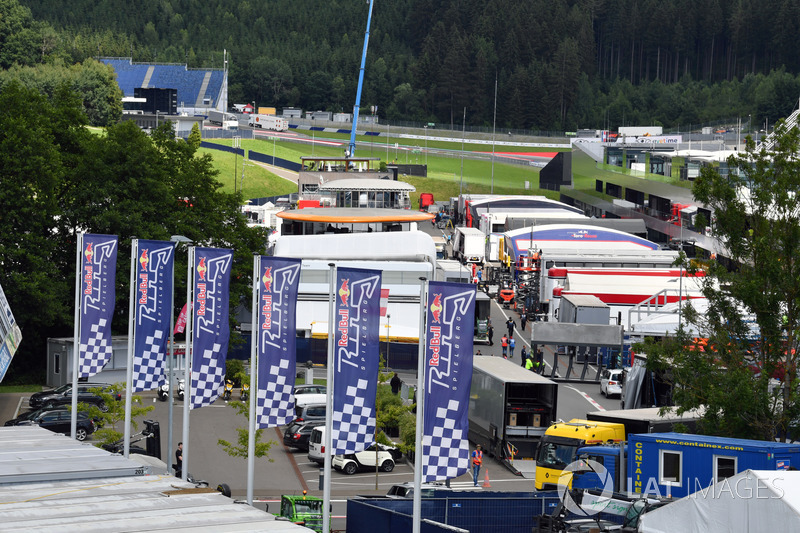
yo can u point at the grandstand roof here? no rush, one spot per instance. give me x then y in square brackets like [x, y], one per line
[194, 86]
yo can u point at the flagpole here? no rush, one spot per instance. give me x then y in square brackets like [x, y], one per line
[126, 439]
[255, 339]
[421, 388]
[170, 358]
[326, 471]
[76, 339]
[187, 374]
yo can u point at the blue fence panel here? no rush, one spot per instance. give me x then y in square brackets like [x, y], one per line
[276, 161]
[222, 147]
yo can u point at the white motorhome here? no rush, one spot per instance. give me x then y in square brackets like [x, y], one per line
[469, 245]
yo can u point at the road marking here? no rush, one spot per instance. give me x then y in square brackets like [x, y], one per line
[588, 398]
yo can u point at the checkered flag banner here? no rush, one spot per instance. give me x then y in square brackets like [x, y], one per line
[356, 357]
[449, 331]
[277, 287]
[97, 301]
[152, 305]
[210, 329]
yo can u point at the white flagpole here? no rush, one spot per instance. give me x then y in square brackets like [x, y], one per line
[255, 339]
[170, 357]
[76, 339]
[187, 375]
[421, 388]
[126, 439]
[326, 471]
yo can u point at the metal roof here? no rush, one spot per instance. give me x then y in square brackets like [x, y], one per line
[354, 215]
[49, 482]
[368, 184]
[506, 370]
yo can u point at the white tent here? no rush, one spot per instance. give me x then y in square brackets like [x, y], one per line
[751, 501]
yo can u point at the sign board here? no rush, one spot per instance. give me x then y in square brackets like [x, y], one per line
[10, 334]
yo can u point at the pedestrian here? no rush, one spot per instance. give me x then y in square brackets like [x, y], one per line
[396, 383]
[511, 345]
[510, 326]
[523, 319]
[529, 364]
[477, 461]
[524, 356]
[491, 334]
[478, 353]
[178, 466]
[504, 344]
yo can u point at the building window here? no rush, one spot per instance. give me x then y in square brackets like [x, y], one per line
[724, 467]
[670, 468]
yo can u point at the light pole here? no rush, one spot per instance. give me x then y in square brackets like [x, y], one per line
[388, 337]
[426, 145]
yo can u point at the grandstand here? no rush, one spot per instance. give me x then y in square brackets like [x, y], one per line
[199, 90]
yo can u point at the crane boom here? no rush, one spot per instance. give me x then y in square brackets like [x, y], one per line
[352, 148]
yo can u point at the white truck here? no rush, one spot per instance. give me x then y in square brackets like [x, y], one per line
[269, 122]
[228, 121]
[469, 245]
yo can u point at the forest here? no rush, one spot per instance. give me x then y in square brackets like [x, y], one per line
[549, 64]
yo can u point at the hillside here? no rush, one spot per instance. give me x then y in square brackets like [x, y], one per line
[557, 64]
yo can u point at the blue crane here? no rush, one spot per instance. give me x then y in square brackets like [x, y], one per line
[351, 150]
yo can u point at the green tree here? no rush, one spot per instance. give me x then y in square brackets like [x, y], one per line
[745, 375]
[195, 138]
[112, 415]
[240, 447]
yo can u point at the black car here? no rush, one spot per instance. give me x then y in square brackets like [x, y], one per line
[58, 421]
[297, 434]
[63, 396]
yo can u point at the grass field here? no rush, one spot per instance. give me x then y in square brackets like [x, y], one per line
[445, 176]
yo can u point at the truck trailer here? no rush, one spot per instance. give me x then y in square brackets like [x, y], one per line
[268, 122]
[510, 408]
[469, 245]
[227, 121]
[676, 464]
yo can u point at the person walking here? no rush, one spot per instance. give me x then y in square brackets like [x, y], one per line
[524, 356]
[511, 345]
[510, 326]
[396, 383]
[504, 344]
[490, 332]
[523, 319]
[477, 461]
[178, 466]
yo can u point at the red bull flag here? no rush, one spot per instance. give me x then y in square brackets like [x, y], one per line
[152, 312]
[277, 287]
[97, 301]
[356, 356]
[449, 332]
[210, 327]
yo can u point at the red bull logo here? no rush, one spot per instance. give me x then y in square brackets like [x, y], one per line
[344, 291]
[266, 279]
[436, 307]
[89, 252]
[201, 269]
[143, 260]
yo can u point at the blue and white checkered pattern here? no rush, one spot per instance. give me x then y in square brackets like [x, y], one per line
[354, 424]
[276, 400]
[446, 452]
[95, 351]
[148, 369]
[207, 379]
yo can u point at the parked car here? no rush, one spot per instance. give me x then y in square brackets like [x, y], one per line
[56, 420]
[63, 396]
[406, 490]
[298, 433]
[316, 445]
[610, 382]
[352, 462]
[310, 388]
[307, 413]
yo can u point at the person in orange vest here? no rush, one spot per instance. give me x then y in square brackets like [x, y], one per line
[504, 344]
[477, 461]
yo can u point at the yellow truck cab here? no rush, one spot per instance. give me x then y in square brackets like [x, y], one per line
[559, 445]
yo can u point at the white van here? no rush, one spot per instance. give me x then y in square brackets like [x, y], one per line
[316, 445]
